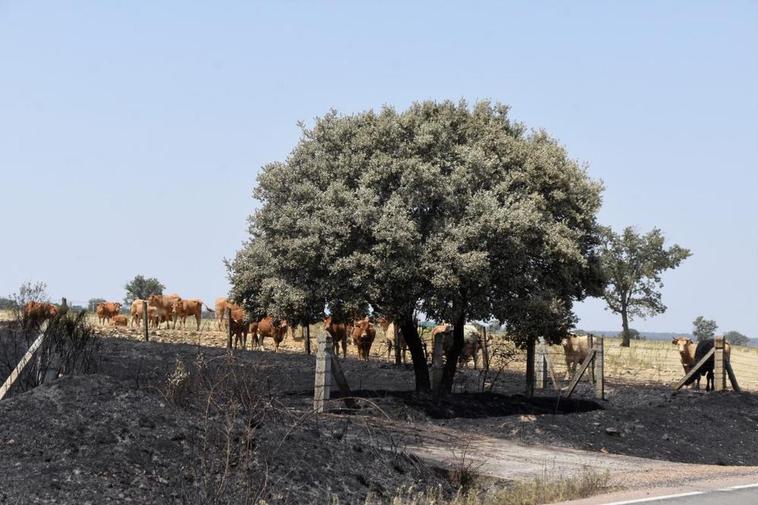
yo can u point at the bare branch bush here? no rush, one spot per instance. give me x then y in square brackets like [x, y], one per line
[70, 346]
[502, 352]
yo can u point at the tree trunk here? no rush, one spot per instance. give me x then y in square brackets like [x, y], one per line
[625, 327]
[452, 355]
[412, 339]
[530, 367]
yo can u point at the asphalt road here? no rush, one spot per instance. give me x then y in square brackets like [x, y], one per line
[736, 495]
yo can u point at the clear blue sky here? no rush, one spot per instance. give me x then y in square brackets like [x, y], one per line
[131, 133]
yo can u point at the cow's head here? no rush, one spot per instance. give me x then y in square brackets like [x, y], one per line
[682, 343]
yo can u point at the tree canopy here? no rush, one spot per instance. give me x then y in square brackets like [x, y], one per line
[451, 209]
[703, 329]
[140, 288]
[633, 264]
[736, 338]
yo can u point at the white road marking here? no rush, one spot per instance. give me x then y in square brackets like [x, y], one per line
[654, 498]
[734, 488]
[681, 495]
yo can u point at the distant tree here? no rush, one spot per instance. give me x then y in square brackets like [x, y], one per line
[142, 288]
[7, 303]
[703, 329]
[633, 264]
[634, 334]
[736, 338]
[93, 302]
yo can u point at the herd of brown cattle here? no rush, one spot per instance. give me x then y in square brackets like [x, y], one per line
[361, 333]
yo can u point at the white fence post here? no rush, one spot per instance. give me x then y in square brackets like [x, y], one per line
[322, 387]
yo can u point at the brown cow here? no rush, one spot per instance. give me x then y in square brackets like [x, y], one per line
[390, 328]
[576, 348]
[471, 343]
[136, 313]
[119, 320]
[239, 326]
[191, 307]
[221, 305]
[363, 334]
[273, 328]
[106, 310]
[39, 311]
[164, 305]
[338, 332]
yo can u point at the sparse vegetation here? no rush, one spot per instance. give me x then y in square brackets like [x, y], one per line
[537, 491]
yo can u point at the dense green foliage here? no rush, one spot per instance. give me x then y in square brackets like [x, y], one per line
[633, 264]
[141, 288]
[703, 329]
[452, 210]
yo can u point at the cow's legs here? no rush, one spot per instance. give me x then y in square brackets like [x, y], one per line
[344, 347]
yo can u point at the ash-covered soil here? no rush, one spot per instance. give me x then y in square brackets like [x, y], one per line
[221, 429]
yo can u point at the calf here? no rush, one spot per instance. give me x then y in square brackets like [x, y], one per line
[106, 310]
[119, 320]
[576, 348]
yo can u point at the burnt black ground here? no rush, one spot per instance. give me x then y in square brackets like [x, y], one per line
[115, 435]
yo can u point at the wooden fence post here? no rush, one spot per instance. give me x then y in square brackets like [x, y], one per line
[230, 332]
[16, 373]
[485, 349]
[308, 338]
[323, 383]
[599, 363]
[541, 366]
[591, 345]
[145, 321]
[719, 372]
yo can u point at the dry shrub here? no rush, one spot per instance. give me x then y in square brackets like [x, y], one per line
[70, 347]
[538, 491]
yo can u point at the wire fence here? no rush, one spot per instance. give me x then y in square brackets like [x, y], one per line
[652, 362]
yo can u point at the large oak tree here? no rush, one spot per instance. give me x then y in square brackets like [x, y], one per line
[451, 209]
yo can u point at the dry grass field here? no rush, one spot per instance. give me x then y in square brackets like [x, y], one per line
[644, 362]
